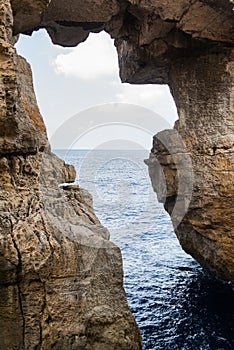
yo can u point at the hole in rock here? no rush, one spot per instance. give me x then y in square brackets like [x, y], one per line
[105, 128]
[70, 80]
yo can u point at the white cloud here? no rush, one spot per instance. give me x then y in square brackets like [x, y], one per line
[94, 59]
[146, 95]
[96, 62]
[155, 97]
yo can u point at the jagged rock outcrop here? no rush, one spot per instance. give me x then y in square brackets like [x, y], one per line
[61, 279]
[187, 44]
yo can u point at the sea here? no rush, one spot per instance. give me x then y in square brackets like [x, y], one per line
[176, 304]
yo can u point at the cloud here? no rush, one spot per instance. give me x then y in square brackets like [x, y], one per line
[94, 59]
[155, 97]
[95, 63]
[146, 95]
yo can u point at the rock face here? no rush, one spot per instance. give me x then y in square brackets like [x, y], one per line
[187, 44]
[203, 88]
[60, 276]
[61, 279]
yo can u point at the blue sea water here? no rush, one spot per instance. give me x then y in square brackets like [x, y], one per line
[176, 304]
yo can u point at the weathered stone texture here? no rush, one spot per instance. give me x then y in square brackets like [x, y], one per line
[203, 89]
[65, 20]
[21, 127]
[193, 53]
[61, 279]
[61, 282]
[28, 14]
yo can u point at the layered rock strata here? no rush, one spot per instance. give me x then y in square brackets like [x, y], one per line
[61, 279]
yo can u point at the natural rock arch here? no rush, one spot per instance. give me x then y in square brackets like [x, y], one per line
[186, 44]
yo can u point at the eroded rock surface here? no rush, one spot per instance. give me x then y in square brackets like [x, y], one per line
[61, 279]
[187, 44]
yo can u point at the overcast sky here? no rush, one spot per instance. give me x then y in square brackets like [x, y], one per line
[78, 81]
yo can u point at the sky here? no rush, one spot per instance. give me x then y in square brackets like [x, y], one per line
[82, 100]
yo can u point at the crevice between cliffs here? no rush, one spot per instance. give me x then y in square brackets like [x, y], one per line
[160, 44]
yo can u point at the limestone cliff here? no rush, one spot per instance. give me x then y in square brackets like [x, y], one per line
[187, 44]
[68, 264]
[61, 279]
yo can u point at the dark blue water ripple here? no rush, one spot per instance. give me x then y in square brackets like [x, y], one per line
[176, 304]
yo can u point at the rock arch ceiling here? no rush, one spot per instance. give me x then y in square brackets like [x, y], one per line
[186, 44]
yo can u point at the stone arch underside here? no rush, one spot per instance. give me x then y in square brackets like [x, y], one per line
[61, 281]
